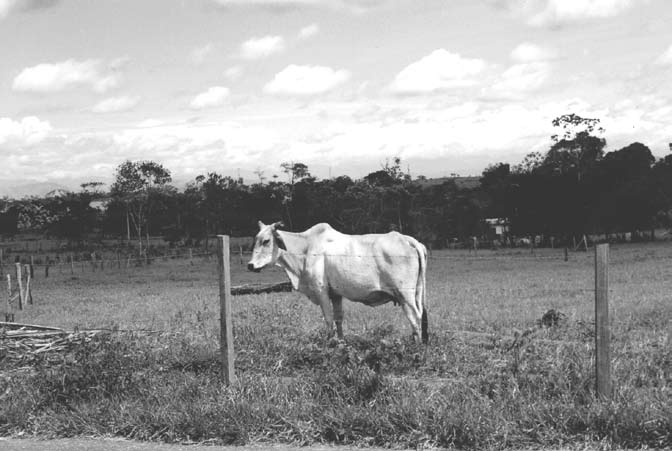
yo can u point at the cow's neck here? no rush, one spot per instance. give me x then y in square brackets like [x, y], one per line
[293, 257]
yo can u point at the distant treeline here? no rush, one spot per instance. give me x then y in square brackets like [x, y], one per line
[574, 188]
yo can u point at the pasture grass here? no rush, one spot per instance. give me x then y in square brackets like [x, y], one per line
[155, 375]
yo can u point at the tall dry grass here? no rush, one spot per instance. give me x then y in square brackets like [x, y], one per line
[520, 384]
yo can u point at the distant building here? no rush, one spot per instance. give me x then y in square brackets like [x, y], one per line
[99, 204]
[498, 228]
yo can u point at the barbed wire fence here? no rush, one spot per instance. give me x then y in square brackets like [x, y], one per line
[69, 265]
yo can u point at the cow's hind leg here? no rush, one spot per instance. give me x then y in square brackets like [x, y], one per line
[337, 304]
[414, 318]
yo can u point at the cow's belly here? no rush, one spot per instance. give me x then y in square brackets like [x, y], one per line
[375, 298]
[359, 286]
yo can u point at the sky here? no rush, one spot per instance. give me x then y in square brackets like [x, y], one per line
[238, 87]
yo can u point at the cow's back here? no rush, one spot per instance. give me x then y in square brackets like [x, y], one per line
[356, 265]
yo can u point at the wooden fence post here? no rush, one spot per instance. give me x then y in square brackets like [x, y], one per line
[28, 295]
[30, 267]
[566, 254]
[19, 283]
[226, 324]
[602, 329]
[1, 257]
[46, 268]
[9, 314]
[191, 256]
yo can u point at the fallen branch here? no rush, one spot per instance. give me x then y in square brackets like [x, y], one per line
[256, 289]
[7, 325]
[20, 334]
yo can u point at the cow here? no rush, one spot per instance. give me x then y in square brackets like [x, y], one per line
[327, 266]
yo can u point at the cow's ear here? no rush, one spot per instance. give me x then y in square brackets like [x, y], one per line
[261, 225]
[278, 224]
[279, 241]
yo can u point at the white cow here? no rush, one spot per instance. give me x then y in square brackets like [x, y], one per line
[328, 266]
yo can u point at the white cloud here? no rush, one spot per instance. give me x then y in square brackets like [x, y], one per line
[559, 12]
[257, 48]
[6, 7]
[9, 6]
[115, 104]
[200, 54]
[521, 78]
[213, 97]
[665, 58]
[306, 80]
[528, 52]
[354, 6]
[233, 73]
[52, 77]
[149, 123]
[272, 3]
[308, 31]
[28, 131]
[439, 70]
[554, 13]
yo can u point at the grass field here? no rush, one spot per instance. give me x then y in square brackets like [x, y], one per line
[479, 384]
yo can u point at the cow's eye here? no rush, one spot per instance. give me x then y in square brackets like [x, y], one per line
[265, 242]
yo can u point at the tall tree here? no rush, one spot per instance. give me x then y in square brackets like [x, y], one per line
[296, 173]
[136, 184]
[577, 151]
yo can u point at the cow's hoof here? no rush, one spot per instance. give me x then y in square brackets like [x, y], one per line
[334, 342]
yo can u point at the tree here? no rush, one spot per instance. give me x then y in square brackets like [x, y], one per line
[577, 152]
[74, 215]
[496, 182]
[9, 217]
[136, 184]
[296, 172]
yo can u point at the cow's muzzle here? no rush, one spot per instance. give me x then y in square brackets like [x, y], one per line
[250, 267]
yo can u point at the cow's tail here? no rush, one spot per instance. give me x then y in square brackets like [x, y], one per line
[420, 289]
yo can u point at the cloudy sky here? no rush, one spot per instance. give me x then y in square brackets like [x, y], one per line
[238, 86]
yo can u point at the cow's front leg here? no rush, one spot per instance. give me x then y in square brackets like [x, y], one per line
[327, 313]
[337, 304]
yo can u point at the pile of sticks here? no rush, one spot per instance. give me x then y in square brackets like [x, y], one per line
[21, 342]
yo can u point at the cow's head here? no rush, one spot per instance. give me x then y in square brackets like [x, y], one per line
[267, 245]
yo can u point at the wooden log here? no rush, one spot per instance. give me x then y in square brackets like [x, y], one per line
[28, 326]
[21, 334]
[257, 289]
